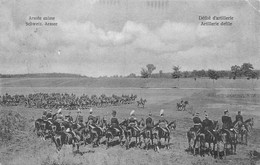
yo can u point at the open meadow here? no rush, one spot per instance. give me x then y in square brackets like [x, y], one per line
[203, 95]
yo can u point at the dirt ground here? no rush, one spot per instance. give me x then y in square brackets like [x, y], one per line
[25, 148]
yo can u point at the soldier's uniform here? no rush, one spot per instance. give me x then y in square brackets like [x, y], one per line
[114, 123]
[149, 122]
[91, 119]
[60, 118]
[239, 117]
[227, 121]
[197, 122]
[132, 121]
[44, 115]
[49, 115]
[207, 125]
[163, 122]
[239, 120]
[79, 117]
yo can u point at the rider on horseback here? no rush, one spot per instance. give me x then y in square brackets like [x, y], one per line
[163, 122]
[227, 122]
[91, 119]
[149, 122]
[59, 116]
[44, 115]
[79, 118]
[207, 125]
[239, 117]
[69, 118]
[49, 115]
[197, 122]
[115, 124]
[239, 120]
[132, 121]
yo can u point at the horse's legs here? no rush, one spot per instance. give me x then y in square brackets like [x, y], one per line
[246, 137]
[218, 148]
[225, 150]
[168, 143]
[194, 146]
[107, 142]
[199, 146]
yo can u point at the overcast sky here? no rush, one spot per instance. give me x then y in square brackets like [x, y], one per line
[119, 37]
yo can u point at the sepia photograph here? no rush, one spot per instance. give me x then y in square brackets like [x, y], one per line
[129, 82]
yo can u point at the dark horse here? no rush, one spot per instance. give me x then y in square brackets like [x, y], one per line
[159, 132]
[210, 136]
[228, 137]
[110, 133]
[96, 132]
[38, 128]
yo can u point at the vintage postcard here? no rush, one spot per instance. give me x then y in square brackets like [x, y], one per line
[129, 82]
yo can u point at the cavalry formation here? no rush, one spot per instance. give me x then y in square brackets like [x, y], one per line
[66, 101]
[76, 133]
[210, 133]
[205, 136]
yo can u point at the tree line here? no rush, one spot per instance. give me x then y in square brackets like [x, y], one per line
[246, 70]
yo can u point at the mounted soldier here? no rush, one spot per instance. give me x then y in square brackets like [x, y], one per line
[226, 120]
[239, 120]
[149, 123]
[49, 115]
[69, 118]
[91, 119]
[197, 122]
[239, 117]
[115, 124]
[207, 125]
[132, 121]
[79, 118]
[60, 117]
[163, 122]
[44, 115]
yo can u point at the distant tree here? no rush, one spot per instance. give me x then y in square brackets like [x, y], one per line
[222, 73]
[144, 73]
[150, 69]
[247, 70]
[132, 75]
[213, 75]
[194, 73]
[201, 73]
[176, 72]
[185, 74]
[235, 71]
[160, 73]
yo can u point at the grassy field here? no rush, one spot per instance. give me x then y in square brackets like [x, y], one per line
[129, 83]
[25, 148]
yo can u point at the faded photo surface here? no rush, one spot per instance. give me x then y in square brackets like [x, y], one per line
[79, 79]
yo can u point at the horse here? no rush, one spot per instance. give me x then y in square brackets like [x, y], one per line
[61, 138]
[159, 132]
[228, 137]
[110, 133]
[249, 123]
[194, 135]
[96, 133]
[182, 106]
[210, 137]
[38, 128]
[141, 102]
[244, 128]
[132, 132]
